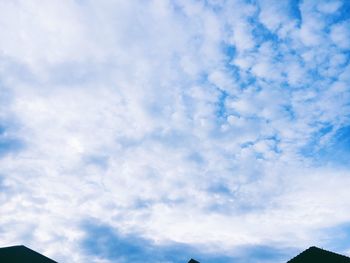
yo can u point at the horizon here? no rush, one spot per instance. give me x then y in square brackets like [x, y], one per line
[162, 130]
[22, 254]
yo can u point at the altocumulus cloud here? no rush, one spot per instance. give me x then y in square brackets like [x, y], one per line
[214, 128]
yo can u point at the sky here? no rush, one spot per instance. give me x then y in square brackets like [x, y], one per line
[157, 131]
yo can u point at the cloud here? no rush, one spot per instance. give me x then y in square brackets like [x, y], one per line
[337, 236]
[210, 124]
[340, 34]
[329, 7]
[109, 245]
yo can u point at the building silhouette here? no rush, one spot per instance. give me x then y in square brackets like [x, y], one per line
[318, 255]
[22, 254]
[313, 255]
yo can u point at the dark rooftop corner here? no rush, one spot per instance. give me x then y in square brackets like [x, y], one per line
[318, 255]
[22, 254]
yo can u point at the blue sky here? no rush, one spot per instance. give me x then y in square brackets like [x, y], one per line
[159, 130]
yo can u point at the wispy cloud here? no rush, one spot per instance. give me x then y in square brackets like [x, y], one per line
[103, 242]
[217, 125]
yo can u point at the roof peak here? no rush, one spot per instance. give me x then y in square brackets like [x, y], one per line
[15, 246]
[316, 254]
[21, 253]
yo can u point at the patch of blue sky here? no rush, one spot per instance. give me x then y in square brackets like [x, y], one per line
[346, 53]
[233, 71]
[275, 139]
[336, 238]
[8, 123]
[247, 144]
[219, 188]
[313, 146]
[344, 10]
[107, 243]
[177, 8]
[142, 204]
[11, 67]
[264, 253]
[335, 151]
[196, 157]
[294, 10]
[340, 15]
[221, 111]
[315, 76]
[203, 77]
[98, 160]
[327, 128]
[291, 8]
[229, 51]
[262, 34]
[216, 7]
[9, 145]
[2, 130]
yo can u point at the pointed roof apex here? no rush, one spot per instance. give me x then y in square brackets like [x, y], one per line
[193, 261]
[22, 254]
[319, 255]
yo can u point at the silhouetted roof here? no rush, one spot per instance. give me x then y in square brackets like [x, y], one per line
[22, 254]
[318, 255]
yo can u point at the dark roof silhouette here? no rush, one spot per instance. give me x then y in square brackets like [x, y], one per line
[22, 254]
[318, 255]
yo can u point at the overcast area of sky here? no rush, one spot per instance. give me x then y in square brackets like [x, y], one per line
[159, 130]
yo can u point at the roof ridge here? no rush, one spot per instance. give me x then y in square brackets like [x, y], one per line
[23, 251]
[14, 246]
[314, 248]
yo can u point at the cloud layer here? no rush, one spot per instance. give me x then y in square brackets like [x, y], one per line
[217, 125]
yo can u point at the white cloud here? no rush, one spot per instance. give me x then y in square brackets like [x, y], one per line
[340, 34]
[329, 7]
[274, 15]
